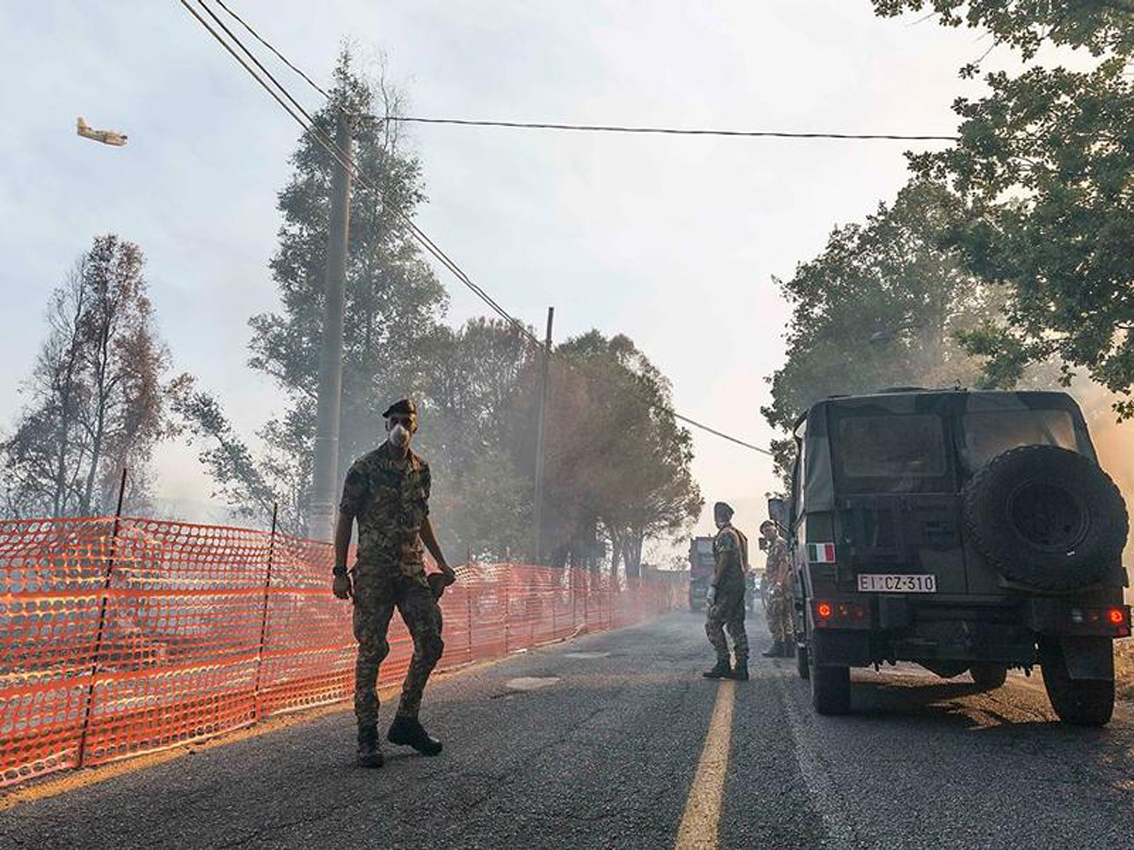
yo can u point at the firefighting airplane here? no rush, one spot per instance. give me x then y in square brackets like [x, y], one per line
[107, 137]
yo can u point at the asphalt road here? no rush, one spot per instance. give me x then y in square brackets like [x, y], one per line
[605, 756]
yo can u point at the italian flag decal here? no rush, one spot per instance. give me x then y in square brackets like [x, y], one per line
[821, 553]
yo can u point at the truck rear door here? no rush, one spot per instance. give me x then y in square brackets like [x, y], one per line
[897, 509]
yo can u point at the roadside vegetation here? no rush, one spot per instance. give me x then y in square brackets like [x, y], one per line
[98, 398]
[102, 395]
[1004, 262]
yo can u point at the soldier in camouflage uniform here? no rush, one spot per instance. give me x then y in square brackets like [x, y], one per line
[777, 574]
[726, 598]
[387, 492]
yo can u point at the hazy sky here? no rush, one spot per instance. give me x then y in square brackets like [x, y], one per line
[674, 241]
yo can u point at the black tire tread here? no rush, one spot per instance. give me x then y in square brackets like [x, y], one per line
[1079, 702]
[1108, 546]
[830, 688]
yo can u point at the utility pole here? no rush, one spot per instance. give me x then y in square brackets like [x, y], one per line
[540, 439]
[323, 513]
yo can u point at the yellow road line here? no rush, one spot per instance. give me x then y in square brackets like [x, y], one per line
[700, 822]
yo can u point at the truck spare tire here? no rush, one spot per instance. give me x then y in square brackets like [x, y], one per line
[1046, 517]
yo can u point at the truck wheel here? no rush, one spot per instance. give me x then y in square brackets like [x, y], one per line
[830, 687]
[988, 676]
[1081, 702]
[1046, 517]
[801, 664]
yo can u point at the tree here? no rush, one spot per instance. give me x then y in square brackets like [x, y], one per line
[393, 304]
[475, 375]
[253, 486]
[618, 464]
[1043, 168]
[883, 305]
[1100, 26]
[476, 386]
[95, 399]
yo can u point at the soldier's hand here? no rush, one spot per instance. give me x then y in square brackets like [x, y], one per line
[341, 587]
[437, 583]
[448, 573]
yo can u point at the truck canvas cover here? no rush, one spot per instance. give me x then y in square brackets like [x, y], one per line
[989, 421]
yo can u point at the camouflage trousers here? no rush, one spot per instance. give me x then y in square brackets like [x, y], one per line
[727, 612]
[375, 598]
[779, 614]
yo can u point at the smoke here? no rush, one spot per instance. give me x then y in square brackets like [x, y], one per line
[1114, 442]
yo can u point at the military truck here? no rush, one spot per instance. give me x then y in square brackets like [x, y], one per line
[701, 567]
[962, 531]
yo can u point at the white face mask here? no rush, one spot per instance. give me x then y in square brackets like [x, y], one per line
[399, 436]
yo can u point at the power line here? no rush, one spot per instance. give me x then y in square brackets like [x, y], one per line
[673, 131]
[343, 158]
[606, 128]
[603, 128]
[268, 45]
[298, 113]
[431, 247]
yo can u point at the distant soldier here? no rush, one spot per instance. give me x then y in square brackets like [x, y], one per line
[777, 577]
[387, 492]
[726, 598]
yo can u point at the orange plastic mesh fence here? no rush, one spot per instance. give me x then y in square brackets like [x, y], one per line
[118, 643]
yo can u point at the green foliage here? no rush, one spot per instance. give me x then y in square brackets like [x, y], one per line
[881, 306]
[392, 306]
[618, 464]
[236, 471]
[1045, 163]
[1101, 26]
[393, 300]
[613, 464]
[1044, 169]
[482, 501]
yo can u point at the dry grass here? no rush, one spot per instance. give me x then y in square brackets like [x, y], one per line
[1124, 667]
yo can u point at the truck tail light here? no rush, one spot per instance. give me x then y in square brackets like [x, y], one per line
[841, 614]
[1099, 620]
[1119, 618]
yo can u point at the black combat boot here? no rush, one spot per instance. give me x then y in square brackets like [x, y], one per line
[720, 671]
[740, 671]
[409, 731]
[787, 649]
[776, 650]
[369, 753]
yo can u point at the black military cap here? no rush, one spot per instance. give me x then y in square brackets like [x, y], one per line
[723, 507]
[405, 407]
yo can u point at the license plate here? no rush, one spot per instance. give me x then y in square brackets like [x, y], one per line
[881, 583]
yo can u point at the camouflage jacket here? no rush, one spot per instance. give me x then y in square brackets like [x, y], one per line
[729, 572]
[389, 496]
[778, 566]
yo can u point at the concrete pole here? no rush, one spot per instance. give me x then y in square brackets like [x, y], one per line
[541, 428]
[325, 484]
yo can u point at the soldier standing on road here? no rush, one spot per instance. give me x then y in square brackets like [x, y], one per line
[726, 598]
[777, 575]
[387, 492]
